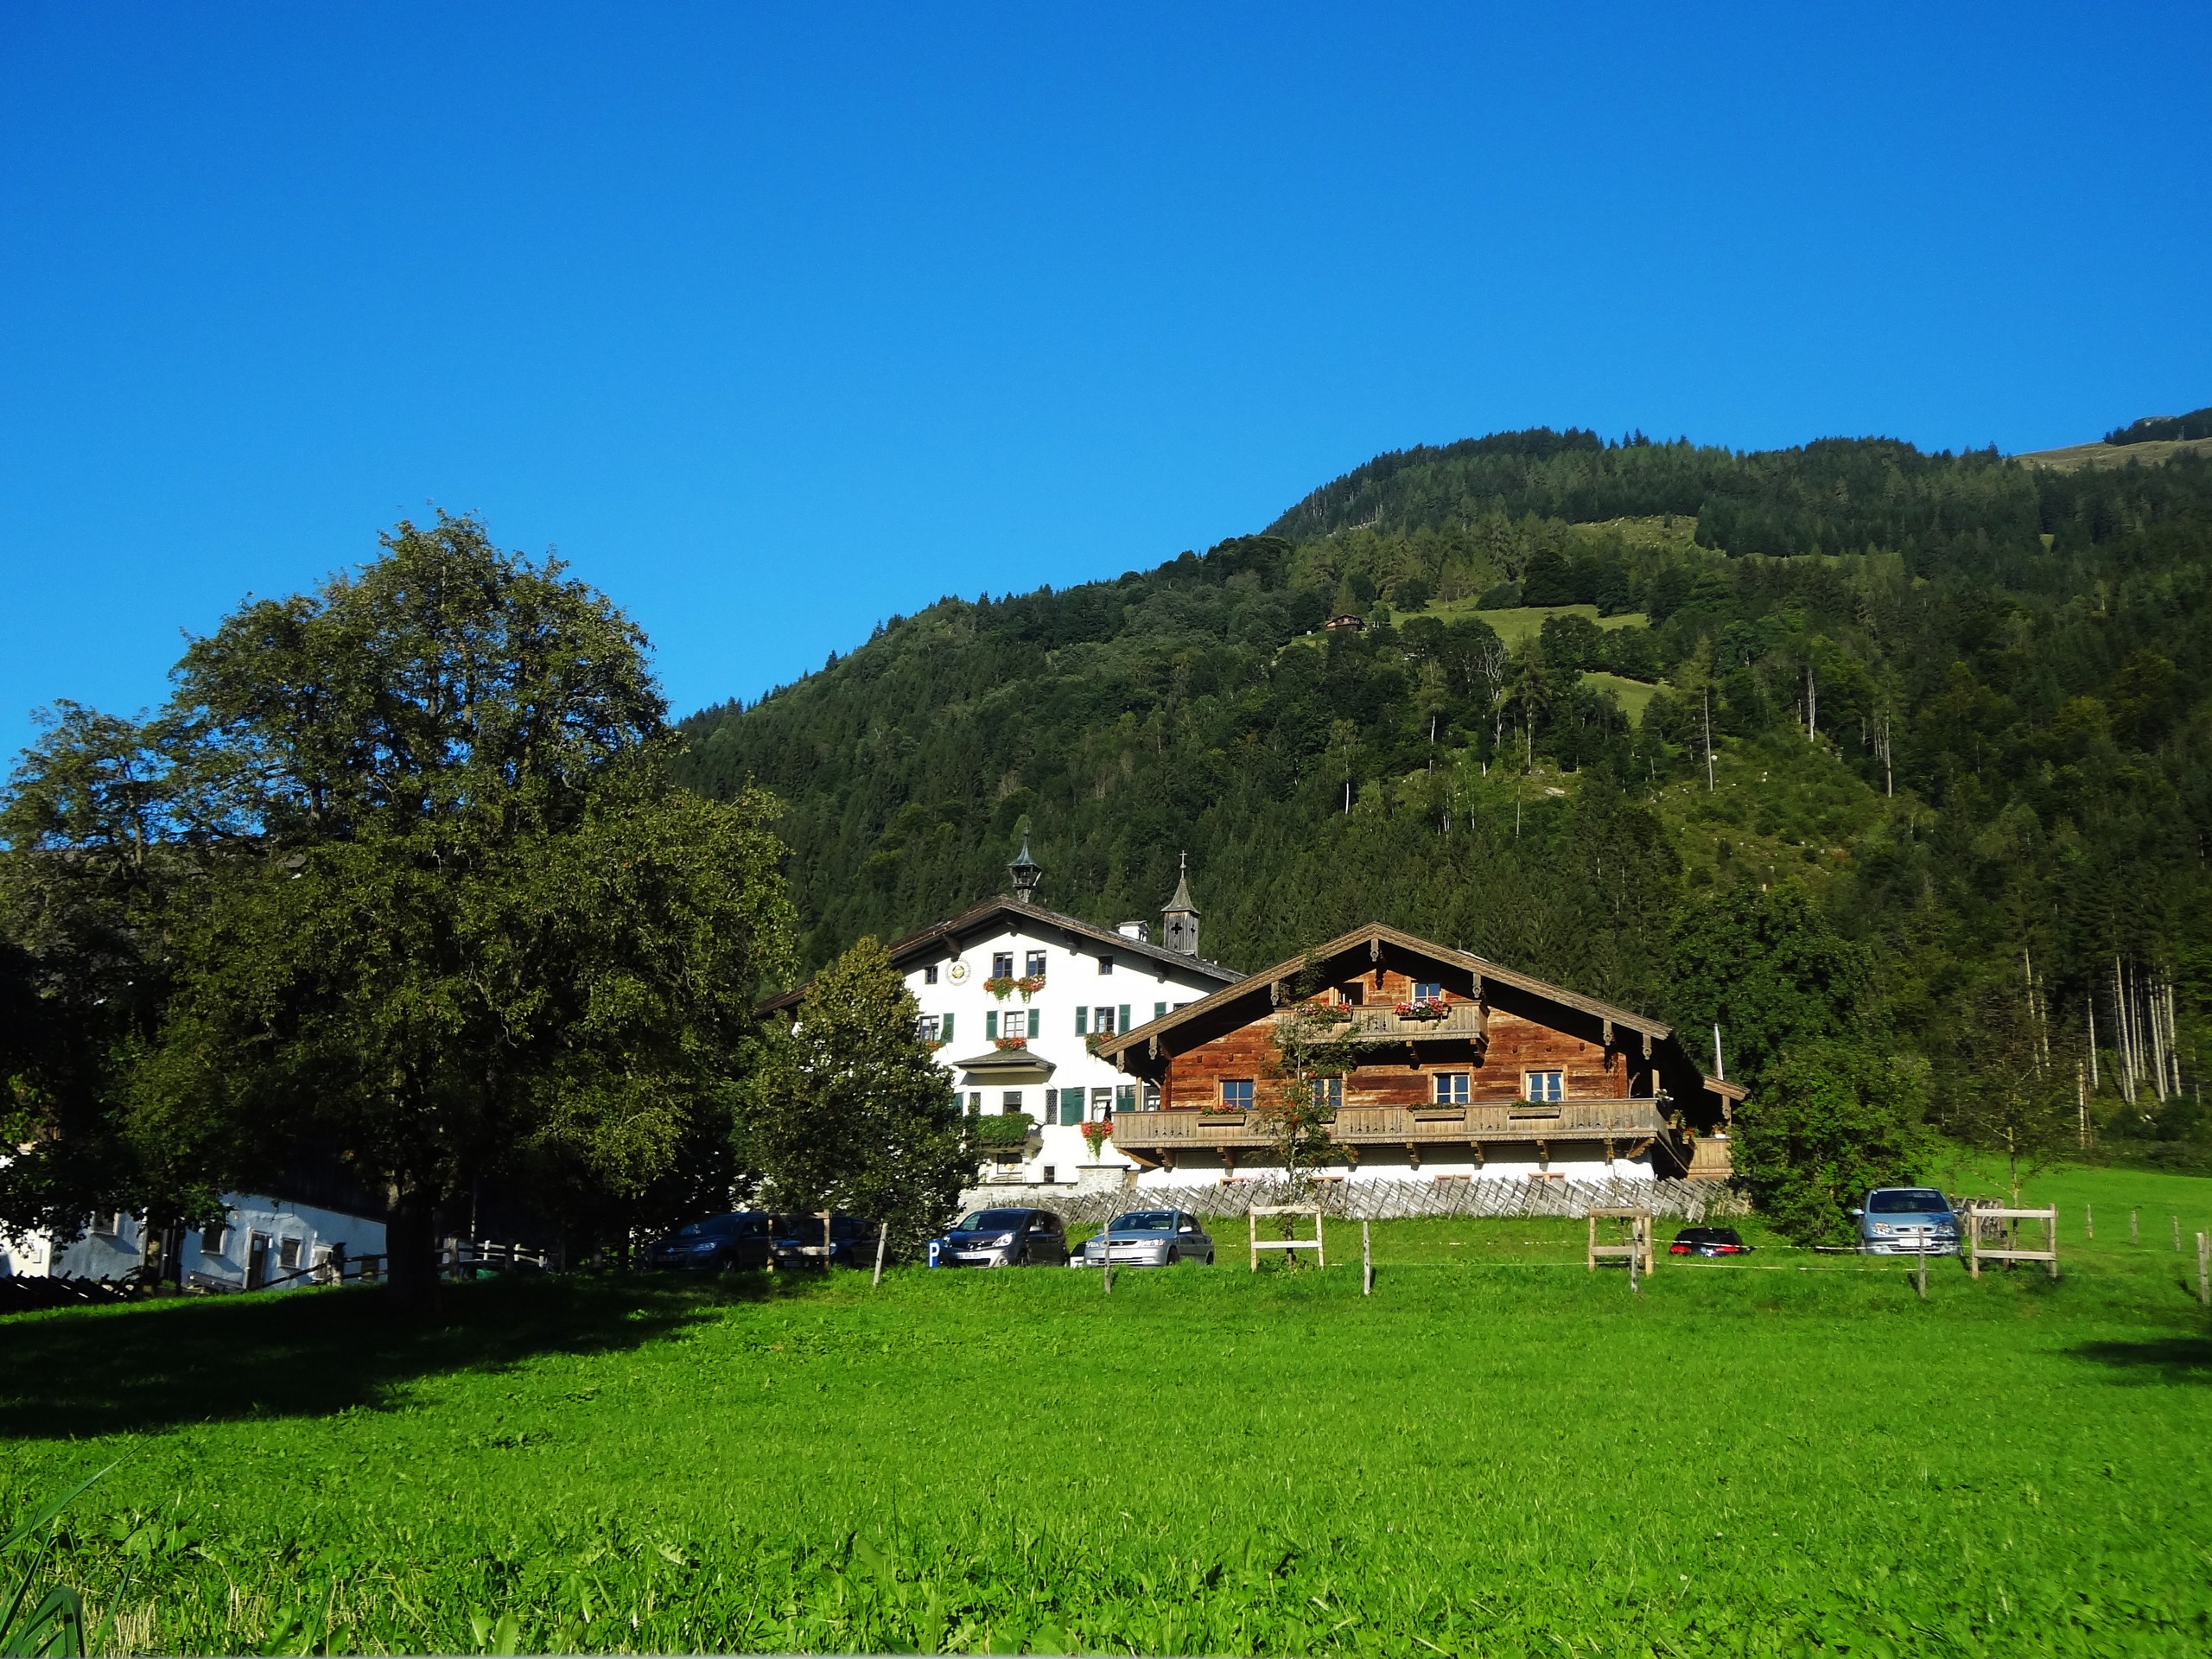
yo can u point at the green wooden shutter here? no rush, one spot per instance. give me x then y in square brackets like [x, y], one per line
[1124, 1025]
[1159, 1010]
[1035, 1014]
[1125, 1098]
[991, 1024]
[945, 1028]
[1072, 1105]
[1082, 1022]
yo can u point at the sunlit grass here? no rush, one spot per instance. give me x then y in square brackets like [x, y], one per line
[1497, 1452]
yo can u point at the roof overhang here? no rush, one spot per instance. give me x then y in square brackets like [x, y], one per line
[1008, 1063]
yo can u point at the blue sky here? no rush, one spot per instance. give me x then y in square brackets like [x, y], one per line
[777, 322]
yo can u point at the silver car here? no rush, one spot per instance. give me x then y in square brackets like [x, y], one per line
[1147, 1238]
[1907, 1220]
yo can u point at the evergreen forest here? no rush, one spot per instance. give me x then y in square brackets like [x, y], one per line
[1841, 743]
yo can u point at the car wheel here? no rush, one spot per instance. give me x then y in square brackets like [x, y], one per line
[1172, 1257]
[1208, 1258]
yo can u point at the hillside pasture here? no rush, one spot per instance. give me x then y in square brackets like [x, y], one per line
[1499, 1452]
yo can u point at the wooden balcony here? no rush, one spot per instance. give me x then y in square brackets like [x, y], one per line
[1463, 1023]
[1150, 1135]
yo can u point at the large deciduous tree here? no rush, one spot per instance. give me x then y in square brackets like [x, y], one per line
[1831, 1119]
[447, 916]
[849, 1112]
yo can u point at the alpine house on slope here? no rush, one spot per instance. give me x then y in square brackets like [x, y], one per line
[1427, 1063]
[1018, 1002]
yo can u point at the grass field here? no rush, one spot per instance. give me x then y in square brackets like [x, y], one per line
[1498, 1453]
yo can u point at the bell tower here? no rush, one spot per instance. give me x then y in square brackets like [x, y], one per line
[1025, 873]
[1179, 929]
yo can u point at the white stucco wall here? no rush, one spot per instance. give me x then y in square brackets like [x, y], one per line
[1574, 1162]
[1142, 984]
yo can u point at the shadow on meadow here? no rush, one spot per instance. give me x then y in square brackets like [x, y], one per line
[85, 1372]
[2161, 1359]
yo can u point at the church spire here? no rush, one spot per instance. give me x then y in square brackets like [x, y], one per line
[1179, 918]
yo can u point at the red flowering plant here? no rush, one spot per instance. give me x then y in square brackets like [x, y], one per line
[1009, 1042]
[999, 985]
[1421, 1011]
[1094, 1133]
[1029, 985]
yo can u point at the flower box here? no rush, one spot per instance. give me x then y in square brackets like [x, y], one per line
[1009, 1042]
[999, 986]
[1029, 985]
[1425, 1012]
[1096, 1133]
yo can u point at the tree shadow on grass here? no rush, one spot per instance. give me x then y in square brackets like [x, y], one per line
[2163, 1359]
[106, 1371]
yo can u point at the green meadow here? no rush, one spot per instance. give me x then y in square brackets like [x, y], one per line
[1497, 1452]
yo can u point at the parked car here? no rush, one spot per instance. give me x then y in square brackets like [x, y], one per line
[1006, 1238]
[1148, 1238]
[797, 1242]
[1709, 1241]
[739, 1239]
[1907, 1220]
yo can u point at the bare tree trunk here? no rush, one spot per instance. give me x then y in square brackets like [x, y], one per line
[410, 1242]
[1708, 741]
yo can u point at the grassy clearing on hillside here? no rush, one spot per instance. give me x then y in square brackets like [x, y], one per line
[1499, 1452]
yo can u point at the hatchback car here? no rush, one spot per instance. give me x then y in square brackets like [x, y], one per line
[1709, 1241]
[1907, 1220]
[798, 1240]
[739, 1239]
[1148, 1238]
[1006, 1238]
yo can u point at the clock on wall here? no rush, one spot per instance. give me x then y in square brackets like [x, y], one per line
[958, 972]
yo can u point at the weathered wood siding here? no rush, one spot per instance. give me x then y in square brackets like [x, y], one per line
[1402, 1076]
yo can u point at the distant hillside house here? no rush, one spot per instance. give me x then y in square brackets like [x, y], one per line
[1464, 1071]
[1347, 625]
[1017, 1001]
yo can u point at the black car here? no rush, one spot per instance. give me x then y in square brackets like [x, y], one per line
[739, 1239]
[1709, 1241]
[800, 1241]
[1006, 1238]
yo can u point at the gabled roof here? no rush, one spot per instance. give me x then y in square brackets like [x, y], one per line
[992, 916]
[1379, 946]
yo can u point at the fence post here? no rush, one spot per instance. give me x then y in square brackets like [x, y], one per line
[2134, 1231]
[2204, 1270]
[882, 1238]
[2089, 1221]
[1922, 1275]
[1367, 1261]
[1974, 1243]
[1252, 1223]
[2050, 1238]
[2177, 1221]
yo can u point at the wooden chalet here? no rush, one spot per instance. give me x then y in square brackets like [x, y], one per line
[1464, 1069]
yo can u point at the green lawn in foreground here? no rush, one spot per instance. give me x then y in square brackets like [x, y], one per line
[1499, 1452]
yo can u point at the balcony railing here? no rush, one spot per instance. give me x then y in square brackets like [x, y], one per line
[1462, 1022]
[1354, 1126]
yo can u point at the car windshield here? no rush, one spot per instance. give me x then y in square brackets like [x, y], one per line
[713, 1227]
[1143, 1221]
[1908, 1201]
[992, 1221]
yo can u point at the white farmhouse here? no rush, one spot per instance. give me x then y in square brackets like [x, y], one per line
[260, 1242]
[1015, 999]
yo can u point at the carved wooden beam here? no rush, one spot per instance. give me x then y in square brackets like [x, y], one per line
[1412, 1153]
[1647, 1045]
[1478, 1146]
[1609, 1036]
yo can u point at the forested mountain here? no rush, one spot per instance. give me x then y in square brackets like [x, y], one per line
[1962, 704]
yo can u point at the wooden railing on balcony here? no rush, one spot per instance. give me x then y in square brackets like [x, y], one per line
[1486, 1119]
[1463, 1023]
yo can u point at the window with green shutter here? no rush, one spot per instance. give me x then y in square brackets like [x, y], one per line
[1082, 1022]
[1072, 1105]
[1034, 1016]
[1125, 1099]
[1159, 1010]
[991, 1024]
[945, 1028]
[1123, 1023]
